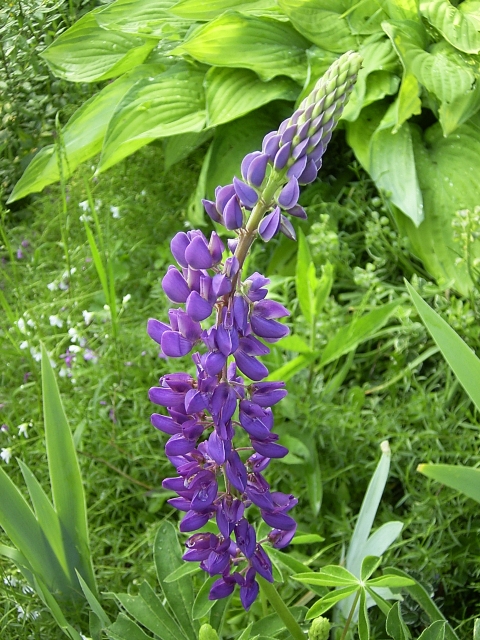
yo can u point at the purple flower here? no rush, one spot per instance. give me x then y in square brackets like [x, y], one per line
[202, 413]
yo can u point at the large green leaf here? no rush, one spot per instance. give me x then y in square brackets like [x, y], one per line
[179, 594]
[125, 629]
[392, 167]
[322, 22]
[81, 138]
[447, 172]
[268, 47]
[378, 55]
[145, 17]
[360, 132]
[458, 477]
[204, 11]
[155, 107]
[179, 147]
[454, 25]
[365, 17]
[89, 53]
[65, 478]
[471, 8]
[464, 363]
[305, 279]
[232, 93]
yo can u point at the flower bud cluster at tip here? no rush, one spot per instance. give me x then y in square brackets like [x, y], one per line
[228, 394]
[290, 157]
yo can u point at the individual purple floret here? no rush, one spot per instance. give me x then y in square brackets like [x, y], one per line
[205, 413]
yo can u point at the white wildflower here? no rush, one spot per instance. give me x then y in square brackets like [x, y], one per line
[85, 218]
[74, 335]
[126, 299]
[115, 212]
[24, 345]
[84, 206]
[36, 355]
[6, 454]
[63, 286]
[74, 348]
[88, 316]
[55, 321]
[31, 323]
[21, 325]
[52, 286]
[63, 372]
[22, 429]
[10, 581]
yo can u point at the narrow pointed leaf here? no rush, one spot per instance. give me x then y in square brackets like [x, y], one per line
[330, 576]
[462, 360]
[187, 569]
[95, 605]
[125, 629]
[202, 604]
[65, 478]
[436, 631]
[327, 602]
[268, 47]
[369, 565]
[395, 625]
[88, 53]
[363, 623]
[391, 581]
[381, 603]
[155, 107]
[458, 477]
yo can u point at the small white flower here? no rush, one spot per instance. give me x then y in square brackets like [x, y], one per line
[36, 355]
[115, 212]
[63, 286]
[74, 348]
[106, 307]
[6, 455]
[24, 345]
[126, 299]
[88, 316]
[22, 429]
[10, 581]
[55, 321]
[52, 286]
[21, 325]
[21, 612]
[31, 323]
[98, 203]
[84, 206]
[74, 335]
[27, 590]
[63, 373]
[143, 192]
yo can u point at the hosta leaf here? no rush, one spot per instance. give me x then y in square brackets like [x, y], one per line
[88, 53]
[447, 171]
[401, 9]
[392, 167]
[146, 17]
[232, 93]
[82, 136]
[203, 11]
[164, 105]
[408, 102]
[322, 23]
[266, 46]
[360, 132]
[378, 55]
[471, 9]
[319, 61]
[179, 147]
[366, 17]
[454, 25]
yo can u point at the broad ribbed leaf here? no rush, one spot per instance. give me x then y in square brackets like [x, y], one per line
[360, 132]
[359, 330]
[464, 479]
[408, 102]
[378, 55]
[268, 47]
[471, 8]
[89, 53]
[65, 478]
[392, 167]
[159, 106]
[152, 615]
[319, 60]
[179, 147]
[203, 11]
[232, 93]
[20, 525]
[327, 602]
[366, 17]
[146, 17]
[447, 170]
[401, 9]
[454, 25]
[462, 360]
[322, 23]
[82, 137]
[179, 594]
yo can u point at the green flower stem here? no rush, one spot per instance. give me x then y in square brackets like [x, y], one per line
[350, 615]
[278, 604]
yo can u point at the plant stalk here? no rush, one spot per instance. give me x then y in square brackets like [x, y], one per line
[280, 607]
[350, 615]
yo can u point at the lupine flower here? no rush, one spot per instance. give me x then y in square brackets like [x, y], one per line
[204, 412]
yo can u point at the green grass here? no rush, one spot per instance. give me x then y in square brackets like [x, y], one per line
[423, 412]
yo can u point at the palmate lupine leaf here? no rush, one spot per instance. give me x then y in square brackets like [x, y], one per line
[66, 481]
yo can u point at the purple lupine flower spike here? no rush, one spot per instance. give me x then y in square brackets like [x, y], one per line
[216, 480]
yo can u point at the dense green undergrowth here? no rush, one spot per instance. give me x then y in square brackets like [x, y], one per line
[394, 386]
